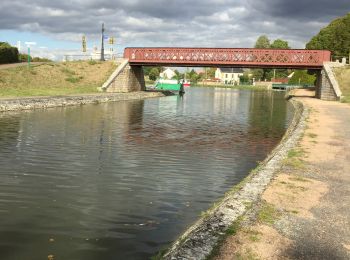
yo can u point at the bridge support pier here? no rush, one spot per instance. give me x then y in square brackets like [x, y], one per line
[126, 78]
[327, 87]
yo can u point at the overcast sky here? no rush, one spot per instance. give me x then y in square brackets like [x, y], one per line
[57, 26]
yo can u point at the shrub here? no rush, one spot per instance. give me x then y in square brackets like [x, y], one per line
[8, 54]
[24, 57]
[92, 62]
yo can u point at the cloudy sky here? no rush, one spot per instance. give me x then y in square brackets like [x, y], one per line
[57, 26]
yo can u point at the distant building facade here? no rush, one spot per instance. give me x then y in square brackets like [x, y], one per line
[168, 74]
[229, 75]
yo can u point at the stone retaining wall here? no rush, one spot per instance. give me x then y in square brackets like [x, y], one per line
[328, 88]
[61, 101]
[125, 79]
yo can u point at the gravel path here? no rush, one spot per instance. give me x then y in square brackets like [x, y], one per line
[327, 234]
[310, 196]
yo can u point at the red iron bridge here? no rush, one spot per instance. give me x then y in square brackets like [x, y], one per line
[228, 57]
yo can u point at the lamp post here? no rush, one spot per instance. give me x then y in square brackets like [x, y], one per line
[28, 45]
[102, 44]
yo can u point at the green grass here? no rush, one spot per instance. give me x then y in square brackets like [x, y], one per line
[247, 255]
[159, 255]
[230, 231]
[294, 159]
[253, 235]
[268, 214]
[53, 79]
[299, 179]
[312, 135]
[295, 153]
[343, 78]
[92, 62]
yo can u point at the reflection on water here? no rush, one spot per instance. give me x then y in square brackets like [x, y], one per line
[122, 180]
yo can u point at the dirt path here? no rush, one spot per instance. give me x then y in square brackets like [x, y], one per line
[305, 211]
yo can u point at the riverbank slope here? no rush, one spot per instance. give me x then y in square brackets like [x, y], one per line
[343, 77]
[304, 212]
[54, 78]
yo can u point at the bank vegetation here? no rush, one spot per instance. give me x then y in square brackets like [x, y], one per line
[53, 79]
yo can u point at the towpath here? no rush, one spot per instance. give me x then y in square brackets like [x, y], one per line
[305, 211]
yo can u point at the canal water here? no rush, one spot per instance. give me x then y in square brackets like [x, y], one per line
[123, 180]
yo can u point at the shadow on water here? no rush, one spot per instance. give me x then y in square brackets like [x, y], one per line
[121, 180]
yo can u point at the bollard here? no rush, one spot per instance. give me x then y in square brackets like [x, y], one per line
[343, 61]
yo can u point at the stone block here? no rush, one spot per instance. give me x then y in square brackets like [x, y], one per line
[128, 79]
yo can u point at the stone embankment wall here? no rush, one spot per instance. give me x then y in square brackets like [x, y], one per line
[327, 85]
[125, 79]
[61, 101]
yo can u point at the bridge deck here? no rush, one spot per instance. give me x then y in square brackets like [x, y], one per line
[228, 57]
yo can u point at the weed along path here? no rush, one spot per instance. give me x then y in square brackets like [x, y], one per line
[304, 213]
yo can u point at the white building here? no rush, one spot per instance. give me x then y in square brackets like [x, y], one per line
[229, 75]
[167, 74]
[108, 54]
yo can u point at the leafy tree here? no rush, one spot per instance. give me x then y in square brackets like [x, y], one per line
[279, 44]
[262, 42]
[147, 69]
[24, 57]
[302, 77]
[5, 45]
[258, 74]
[153, 74]
[193, 76]
[335, 37]
[8, 54]
[211, 73]
[178, 75]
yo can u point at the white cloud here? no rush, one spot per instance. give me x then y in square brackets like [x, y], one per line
[217, 23]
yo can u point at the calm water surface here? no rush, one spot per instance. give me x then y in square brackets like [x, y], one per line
[122, 180]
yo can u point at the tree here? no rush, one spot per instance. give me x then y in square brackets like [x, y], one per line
[262, 42]
[178, 75]
[302, 77]
[8, 54]
[153, 74]
[258, 74]
[211, 73]
[146, 70]
[335, 37]
[280, 44]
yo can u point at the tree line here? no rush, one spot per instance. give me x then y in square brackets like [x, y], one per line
[10, 54]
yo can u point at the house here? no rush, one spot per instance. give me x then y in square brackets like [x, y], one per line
[229, 75]
[167, 74]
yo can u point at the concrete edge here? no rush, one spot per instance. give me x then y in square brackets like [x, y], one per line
[30, 103]
[115, 74]
[200, 239]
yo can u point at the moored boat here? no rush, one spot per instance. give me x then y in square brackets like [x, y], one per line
[169, 84]
[186, 83]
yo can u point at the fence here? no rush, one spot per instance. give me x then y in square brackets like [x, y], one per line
[291, 86]
[77, 57]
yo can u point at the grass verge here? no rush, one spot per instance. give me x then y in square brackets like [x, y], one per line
[53, 79]
[343, 78]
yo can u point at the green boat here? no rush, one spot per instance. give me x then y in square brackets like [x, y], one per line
[170, 84]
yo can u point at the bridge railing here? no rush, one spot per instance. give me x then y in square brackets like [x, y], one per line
[228, 57]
